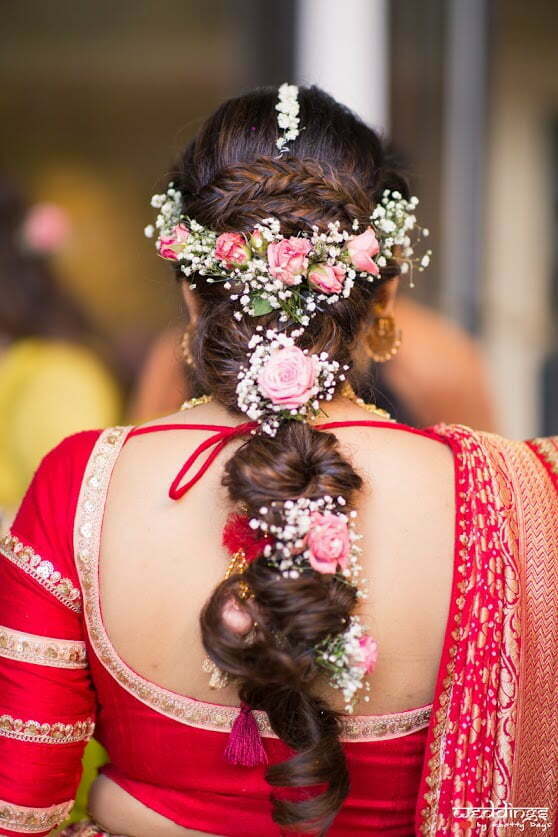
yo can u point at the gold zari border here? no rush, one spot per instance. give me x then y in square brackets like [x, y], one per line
[41, 733]
[41, 570]
[535, 776]
[42, 650]
[26, 820]
[180, 708]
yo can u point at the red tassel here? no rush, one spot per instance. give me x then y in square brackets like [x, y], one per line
[245, 745]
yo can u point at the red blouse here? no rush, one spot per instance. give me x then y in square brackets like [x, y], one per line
[60, 677]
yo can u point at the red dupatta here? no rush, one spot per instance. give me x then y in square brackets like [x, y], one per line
[493, 737]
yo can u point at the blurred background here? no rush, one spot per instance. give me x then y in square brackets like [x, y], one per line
[97, 98]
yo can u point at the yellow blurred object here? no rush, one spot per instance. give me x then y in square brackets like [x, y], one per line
[48, 390]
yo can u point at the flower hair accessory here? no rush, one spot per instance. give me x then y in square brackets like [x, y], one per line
[282, 381]
[318, 535]
[287, 119]
[295, 275]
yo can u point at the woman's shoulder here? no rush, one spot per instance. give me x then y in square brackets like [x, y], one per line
[40, 540]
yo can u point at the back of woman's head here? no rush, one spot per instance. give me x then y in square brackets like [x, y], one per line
[232, 177]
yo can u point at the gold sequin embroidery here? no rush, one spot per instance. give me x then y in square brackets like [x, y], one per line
[41, 570]
[42, 733]
[180, 708]
[42, 650]
[26, 820]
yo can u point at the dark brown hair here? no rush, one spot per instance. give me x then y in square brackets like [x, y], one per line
[231, 176]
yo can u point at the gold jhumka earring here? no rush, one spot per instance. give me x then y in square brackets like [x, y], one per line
[383, 339]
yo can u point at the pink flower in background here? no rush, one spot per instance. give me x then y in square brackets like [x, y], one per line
[289, 377]
[287, 258]
[328, 542]
[45, 228]
[171, 246]
[367, 654]
[362, 248]
[232, 249]
[327, 278]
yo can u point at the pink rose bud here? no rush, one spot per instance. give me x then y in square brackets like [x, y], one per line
[171, 246]
[361, 249]
[287, 258]
[258, 243]
[289, 377]
[327, 278]
[45, 228]
[328, 542]
[367, 654]
[231, 248]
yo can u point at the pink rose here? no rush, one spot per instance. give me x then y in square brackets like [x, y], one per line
[328, 542]
[289, 376]
[327, 278]
[232, 249]
[287, 258]
[172, 245]
[367, 654]
[361, 250]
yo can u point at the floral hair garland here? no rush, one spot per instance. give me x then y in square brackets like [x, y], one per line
[297, 275]
[319, 535]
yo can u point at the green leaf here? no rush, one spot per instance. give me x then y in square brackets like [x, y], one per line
[260, 306]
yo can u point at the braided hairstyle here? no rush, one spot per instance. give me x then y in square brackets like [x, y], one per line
[231, 177]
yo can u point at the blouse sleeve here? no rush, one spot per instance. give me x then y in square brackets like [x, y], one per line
[47, 703]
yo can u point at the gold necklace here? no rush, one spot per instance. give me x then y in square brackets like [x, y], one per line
[196, 402]
[348, 392]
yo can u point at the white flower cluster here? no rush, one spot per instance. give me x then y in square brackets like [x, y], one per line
[289, 553]
[394, 221]
[169, 205]
[314, 382]
[340, 656]
[288, 109]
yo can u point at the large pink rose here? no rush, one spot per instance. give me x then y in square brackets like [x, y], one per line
[327, 278]
[287, 258]
[362, 248]
[232, 249]
[172, 245]
[289, 376]
[367, 654]
[328, 542]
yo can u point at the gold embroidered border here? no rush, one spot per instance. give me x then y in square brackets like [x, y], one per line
[38, 733]
[26, 820]
[196, 713]
[535, 777]
[477, 497]
[42, 650]
[41, 570]
[548, 451]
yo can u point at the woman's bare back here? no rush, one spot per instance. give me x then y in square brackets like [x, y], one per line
[160, 560]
